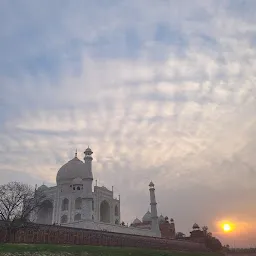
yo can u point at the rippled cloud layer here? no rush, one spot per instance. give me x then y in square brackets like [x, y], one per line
[161, 91]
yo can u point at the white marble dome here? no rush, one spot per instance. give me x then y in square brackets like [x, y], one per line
[147, 217]
[42, 188]
[73, 169]
[161, 218]
[136, 221]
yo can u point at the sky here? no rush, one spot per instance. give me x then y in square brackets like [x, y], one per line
[160, 90]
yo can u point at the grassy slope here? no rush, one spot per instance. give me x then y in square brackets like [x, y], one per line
[89, 250]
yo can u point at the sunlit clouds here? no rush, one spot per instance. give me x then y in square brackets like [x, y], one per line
[166, 95]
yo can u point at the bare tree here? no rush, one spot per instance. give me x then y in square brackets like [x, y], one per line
[205, 230]
[180, 235]
[17, 202]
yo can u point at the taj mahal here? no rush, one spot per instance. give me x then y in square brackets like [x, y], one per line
[74, 202]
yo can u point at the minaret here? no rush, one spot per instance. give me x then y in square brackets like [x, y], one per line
[88, 160]
[87, 191]
[154, 224]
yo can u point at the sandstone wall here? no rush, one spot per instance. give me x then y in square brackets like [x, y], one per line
[65, 235]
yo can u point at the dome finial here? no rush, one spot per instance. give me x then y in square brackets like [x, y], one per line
[76, 153]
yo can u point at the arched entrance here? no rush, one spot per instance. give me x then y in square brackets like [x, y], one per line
[116, 210]
[78, 203]
[104, 212]
[44, 215]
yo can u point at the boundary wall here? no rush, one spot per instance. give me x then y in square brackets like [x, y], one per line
[53, 234]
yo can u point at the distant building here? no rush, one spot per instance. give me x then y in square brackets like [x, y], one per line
[167, 229]
[197, 235]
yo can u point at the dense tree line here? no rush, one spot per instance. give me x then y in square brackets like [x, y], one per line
[243, 250]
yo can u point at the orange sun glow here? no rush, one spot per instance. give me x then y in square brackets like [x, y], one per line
[226, 227]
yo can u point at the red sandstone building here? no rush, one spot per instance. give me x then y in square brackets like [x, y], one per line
[167, 228]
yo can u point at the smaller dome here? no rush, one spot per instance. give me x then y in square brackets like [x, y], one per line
[172, 220]
[136, 221]
[43, 187]
[161, 218]
[88, 151]
[195, 226]
[151, 184]
[147, 217]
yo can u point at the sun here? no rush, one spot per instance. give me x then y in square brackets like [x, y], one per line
[226, 227]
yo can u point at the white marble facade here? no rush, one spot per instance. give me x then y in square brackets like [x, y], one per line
[74, 200]
[74, 203]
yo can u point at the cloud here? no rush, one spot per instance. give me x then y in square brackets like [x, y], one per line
[167, 95]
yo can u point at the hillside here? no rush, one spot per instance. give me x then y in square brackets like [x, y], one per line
[55, 250]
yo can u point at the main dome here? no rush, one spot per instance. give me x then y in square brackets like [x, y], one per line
[74, 168]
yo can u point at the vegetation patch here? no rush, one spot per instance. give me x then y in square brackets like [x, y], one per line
[83, 250]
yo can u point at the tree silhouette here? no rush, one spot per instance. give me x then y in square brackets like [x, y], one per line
[205, 230]
[179, 235]
[17, 202]
[213, 243]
